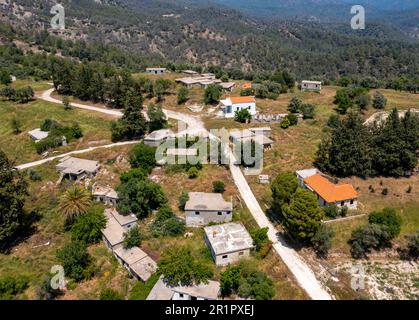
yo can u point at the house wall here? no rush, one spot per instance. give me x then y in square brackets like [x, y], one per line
[221, 260]
[346, 203]
[106, 200]
[239, 106]
[155, 71]
[311, 86]
[206, 217]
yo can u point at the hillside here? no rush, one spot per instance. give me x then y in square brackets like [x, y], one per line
[202, 33]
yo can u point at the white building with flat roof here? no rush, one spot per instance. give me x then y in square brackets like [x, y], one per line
[311, 85]
[228, 242]
[76, 169]
[38, 135]
[156, 71]
[230, 105]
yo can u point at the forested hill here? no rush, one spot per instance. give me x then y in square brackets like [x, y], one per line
[199, 32]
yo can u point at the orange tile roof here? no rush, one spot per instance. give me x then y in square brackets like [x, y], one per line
[329, 191]
[247, 85]
[243, 99]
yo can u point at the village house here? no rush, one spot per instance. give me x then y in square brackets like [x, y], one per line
[342, 195]
[204, 208]
[104, 194]
[116, 226]
[77, 169]
[137, 262]
[38, 135]
[156, 71]
[228, 242]
[204, 291]
[230, 105]
[228, 86]
[304, 174]
[311, 85]
[191, 73]
[156, 138]
[241, 136]
[203, 81]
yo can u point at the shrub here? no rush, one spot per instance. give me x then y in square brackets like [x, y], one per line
[379, 101]
[193, 173]
[331, 211]
[242, 116]
[212, 94]
[413, 246]
[143, 156]
[88, 227]
[49, 124]
[308, 111]
[334, 121]
[384, 192]
[230, 280]
[388, 218]
[110, 294]
[75, 260]
[34, 175]
[11, 286]
[66, 103]
[218, 186]
[182, 95]
[344, 211]
[182, 200]
[285, 123]
[367, 237]
[166, 223]
[16, 125]
[132, 238]
[322, 240]
[247, 92]
[293, 119]
[295, 105]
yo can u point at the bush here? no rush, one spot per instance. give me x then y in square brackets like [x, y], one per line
[285, 123]
[88, 227]
[132, 238]
[242, 116]
[182, 95]
[75, 260]
[367, 237]
[182, 200]
[247, 92]
[34, 175]
[212, 94]
[379, 101]
[110, 294]
[143, 156]
[344, 211]
[388, 218]
[295, 105]
[334, 121]
[16, 125]
[49, 124]
[308, 111]
[66, 103]
[11, 286]
[293, 119]
[230, 280]
[193, 173]
[322, 240]
[218, 186]
[413, 246]
[166, 223]
[384, 192]
[331, 211]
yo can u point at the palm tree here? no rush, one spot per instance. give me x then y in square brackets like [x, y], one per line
[74, 202]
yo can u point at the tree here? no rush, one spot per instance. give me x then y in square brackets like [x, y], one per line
[74, 202]
[230, 280]
[132, 238]
[66, 103]
[179, 267]
[303, 216]
[260, 238]
[242, 116]
[256, 285]
[413, 246]
[157, 118]
[5, 78]
[183, 95]
[143, 157]
[283, 189]
[262, 91]
[75, 260]
[110, 294]
[16, 125]
[363, 101]
[13, 193]
[11, 286]
[182, 200]
[292, 118]
[322, 240]
[88, 227]
[23, 95]
[342, 101]
[367, 237]
[308, 110]
[218, 186]
[138, 194]
[212, 94]
[331, 210]
[166, 223]
[334, 121]
[379, 101]
[388, 218]
[285, 123]
[295, 105]
[160, 88]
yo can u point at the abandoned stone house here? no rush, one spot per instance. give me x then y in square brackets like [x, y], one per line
[228, 242]
[104, 194]
[77, 169]
[204, 208]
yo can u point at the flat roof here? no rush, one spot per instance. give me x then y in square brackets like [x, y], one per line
[121, 219]
[38, 134]
[201, 201]
[259, 129]
[313, 82]
[130, 256]
[113, 232]
[77, 166]
[159, 135]
[227, 85]
[160, 69]
[160, 291]
[307, 173]
[241, 134]
[228, 237]
[144, 268]
[105, 191]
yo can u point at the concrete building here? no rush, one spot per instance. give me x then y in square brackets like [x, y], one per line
[137, 262]
[191, 73]
[103, 194]
[76, 169]
[156, 71]
[162, 291]
[311, 85]
[199, 81]
[116, 226]
[155, 138]
[241, 136]
[204, 208]
[228, 86]
[342, 195]
[38, 135]
[228, 242]
[230, 105]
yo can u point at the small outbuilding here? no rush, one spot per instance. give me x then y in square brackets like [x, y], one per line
[307, 85]
[156, 138]
[137, 262]
[77, 169]
[228, 242]
[38, 135]
[156, 71]
[104, 194]
[204, 208]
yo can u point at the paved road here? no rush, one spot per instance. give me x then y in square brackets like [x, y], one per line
[299, 268]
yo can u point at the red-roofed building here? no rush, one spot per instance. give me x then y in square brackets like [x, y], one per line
[329, 193]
